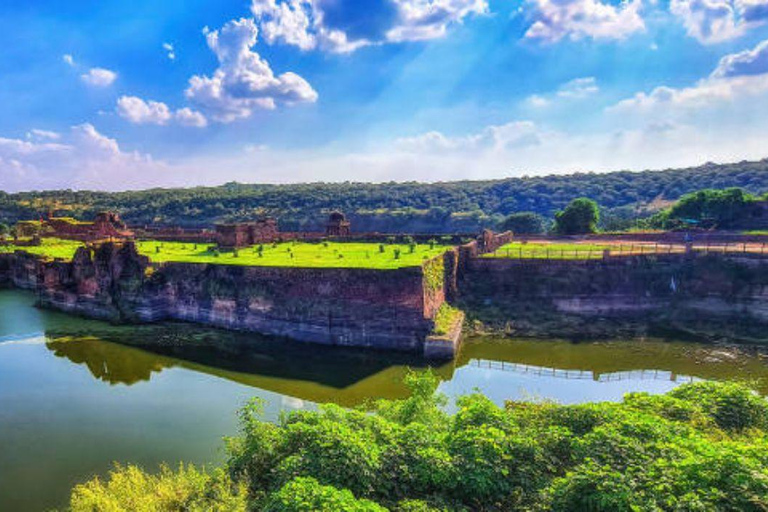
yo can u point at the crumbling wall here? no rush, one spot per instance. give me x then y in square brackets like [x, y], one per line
[567, 297]
[383, 309]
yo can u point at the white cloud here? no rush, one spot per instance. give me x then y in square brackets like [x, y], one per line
[188, 117]
[714, 21]
[429, 19]
[748, 62]
[68, 59]
[82, 158]
[170, 51]
[576, 89]
[738, 77]
[243, 80]
[138, 111]
[286, 22]
[554, 20]
[36, 134]
[579, 88]
[516, 134]
[301, 23]
[99, 77]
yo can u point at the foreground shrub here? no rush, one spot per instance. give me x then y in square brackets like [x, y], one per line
[732, 406]
[129, 489]
[703, 447]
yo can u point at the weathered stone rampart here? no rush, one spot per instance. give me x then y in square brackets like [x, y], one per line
[587, 297]
[385, 309]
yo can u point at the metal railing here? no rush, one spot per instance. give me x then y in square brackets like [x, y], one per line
[542, 252]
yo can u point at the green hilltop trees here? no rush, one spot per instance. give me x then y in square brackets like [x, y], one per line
[580, 217]
[721, 209]
[525, 223]
[701, 447]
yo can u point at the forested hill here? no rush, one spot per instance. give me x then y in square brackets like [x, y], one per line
[451, 206]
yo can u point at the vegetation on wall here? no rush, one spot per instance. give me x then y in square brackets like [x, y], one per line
[702, 447]
[465, 206]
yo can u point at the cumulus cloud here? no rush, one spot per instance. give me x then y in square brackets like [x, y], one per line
[304, 23]
[170, 51]
[553, 20]
[81, 157]
[243, 81]
[739, 76]
[714, 21]
[99, 77]
[424, 19]
[188, 117]
[138, 111]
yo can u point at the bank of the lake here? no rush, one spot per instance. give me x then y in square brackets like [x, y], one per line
[72, 401]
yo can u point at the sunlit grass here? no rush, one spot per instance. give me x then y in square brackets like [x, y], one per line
[296, 254]
[287, 254]
[49, 248]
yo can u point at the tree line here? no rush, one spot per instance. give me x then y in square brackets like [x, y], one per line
[449, 207]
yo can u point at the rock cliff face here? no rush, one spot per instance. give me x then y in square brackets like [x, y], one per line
[387, 309]
[708, 294]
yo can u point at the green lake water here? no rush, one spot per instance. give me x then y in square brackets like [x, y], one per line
[73, 401]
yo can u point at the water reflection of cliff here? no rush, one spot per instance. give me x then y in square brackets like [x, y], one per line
[318, 374]
[351, 377]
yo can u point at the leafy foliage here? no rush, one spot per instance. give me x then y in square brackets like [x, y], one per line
[525, 223]
[131, 490]
[702, 447]
[579, 217]
[727, 208]
[464, 206]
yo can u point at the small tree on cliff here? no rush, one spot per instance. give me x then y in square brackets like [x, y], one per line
[525, 223]
[579, 217]
[5, 230]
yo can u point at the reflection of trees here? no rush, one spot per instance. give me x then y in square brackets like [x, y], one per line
[108, 362]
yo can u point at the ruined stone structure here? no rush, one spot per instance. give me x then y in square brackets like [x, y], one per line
[106, 226]
[338, 225]
[381, 309]
[243, 234]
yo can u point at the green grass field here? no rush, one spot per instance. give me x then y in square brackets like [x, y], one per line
[49, 247]
[295, 254]
[287, 254]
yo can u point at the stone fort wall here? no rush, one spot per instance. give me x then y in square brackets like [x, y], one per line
[383, 309]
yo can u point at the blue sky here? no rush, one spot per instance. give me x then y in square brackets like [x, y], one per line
[116, 95]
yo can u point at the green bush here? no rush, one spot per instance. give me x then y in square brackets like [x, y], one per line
[129, 489]
[702, 447]
[578, 218]
[306, 495]
[733, 407]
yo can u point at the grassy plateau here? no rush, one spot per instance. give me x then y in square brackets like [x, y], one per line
[287, 254]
